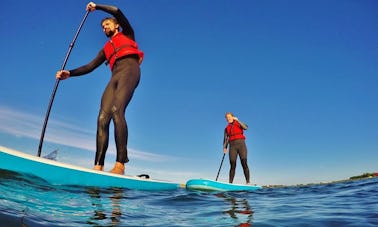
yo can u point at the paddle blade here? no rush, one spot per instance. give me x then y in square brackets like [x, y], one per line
[52, 155]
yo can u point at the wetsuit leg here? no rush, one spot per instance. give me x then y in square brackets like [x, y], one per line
[243, 159]
[233, 155]
[103, 122]
[102, 139]
[128, 77]
[116, 97]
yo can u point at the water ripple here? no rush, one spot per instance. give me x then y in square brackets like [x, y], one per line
[30, 201]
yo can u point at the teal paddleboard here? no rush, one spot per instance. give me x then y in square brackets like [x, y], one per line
[211, 185]
[59, 173]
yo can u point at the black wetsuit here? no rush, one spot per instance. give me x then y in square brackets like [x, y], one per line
[117, 94]
[237, 147]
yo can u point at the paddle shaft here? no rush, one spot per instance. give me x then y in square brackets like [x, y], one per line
[224, 154]
[57, 83]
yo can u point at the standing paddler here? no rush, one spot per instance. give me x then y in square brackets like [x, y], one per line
[234, 136]
[123, 56]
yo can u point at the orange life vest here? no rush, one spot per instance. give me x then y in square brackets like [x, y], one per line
[119, 46]
[234, 131]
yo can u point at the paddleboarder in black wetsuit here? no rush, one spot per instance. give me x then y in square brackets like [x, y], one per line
[123, 56]
[233, 135]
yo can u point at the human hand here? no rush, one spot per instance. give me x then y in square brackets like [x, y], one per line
[225, 150]
[91, 6]
[62, 74]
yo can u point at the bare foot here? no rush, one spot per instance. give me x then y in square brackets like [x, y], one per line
[119, 168]
[98, 167]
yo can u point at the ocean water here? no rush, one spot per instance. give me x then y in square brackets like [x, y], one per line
[26, 200]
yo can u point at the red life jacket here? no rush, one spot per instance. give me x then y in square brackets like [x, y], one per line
[234, 131]
[119, 46]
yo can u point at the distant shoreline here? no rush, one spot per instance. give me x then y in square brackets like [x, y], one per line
[359, 177]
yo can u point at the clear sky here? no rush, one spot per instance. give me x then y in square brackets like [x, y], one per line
[302, 74]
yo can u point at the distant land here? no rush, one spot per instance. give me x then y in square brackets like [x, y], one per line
[365, 175]
[359, 177]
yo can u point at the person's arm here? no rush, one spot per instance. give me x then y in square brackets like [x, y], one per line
[97, 61]
[121, 18]
[225, 141]
[242, 125]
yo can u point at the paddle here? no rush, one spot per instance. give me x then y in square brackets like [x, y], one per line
[220, 166]
[57, 83]
[52, 155]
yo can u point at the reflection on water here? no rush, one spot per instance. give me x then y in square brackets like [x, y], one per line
[26, 200]
[240, 209]
[115, 195]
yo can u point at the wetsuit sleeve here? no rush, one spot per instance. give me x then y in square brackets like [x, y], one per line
[121, 18]
[225, 139]
[97, 61]
[242, 125]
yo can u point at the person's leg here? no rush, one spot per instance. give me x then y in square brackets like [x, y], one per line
[243, 159]
[128, 80]
[103, 121]
[233, 156]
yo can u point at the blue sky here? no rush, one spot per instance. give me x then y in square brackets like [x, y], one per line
[302, 74]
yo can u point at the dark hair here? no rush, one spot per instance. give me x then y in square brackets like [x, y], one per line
[109, 18]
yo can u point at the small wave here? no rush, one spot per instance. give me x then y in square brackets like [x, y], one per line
[28, 200]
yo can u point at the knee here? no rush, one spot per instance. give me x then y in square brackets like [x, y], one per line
[114, 109]
[116, 114]
[244, 163]
[102, 119]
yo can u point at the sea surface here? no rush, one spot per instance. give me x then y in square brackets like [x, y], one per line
[26, 200]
